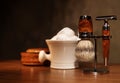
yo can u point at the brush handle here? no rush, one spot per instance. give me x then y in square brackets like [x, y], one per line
[85, 26]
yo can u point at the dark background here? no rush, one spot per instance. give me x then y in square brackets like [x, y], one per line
[27, 23]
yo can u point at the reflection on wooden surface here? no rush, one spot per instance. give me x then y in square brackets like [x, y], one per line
[15, 72]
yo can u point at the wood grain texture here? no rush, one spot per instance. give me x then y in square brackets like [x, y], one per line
[13, 71]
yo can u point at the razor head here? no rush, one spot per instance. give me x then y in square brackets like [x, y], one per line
[110, 17]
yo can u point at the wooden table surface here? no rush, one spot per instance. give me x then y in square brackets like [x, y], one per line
[14, 72]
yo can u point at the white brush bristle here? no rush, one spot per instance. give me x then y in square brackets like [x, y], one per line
[85, 51]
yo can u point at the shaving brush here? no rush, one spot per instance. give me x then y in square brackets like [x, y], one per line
[85, 51]
[85, 48]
